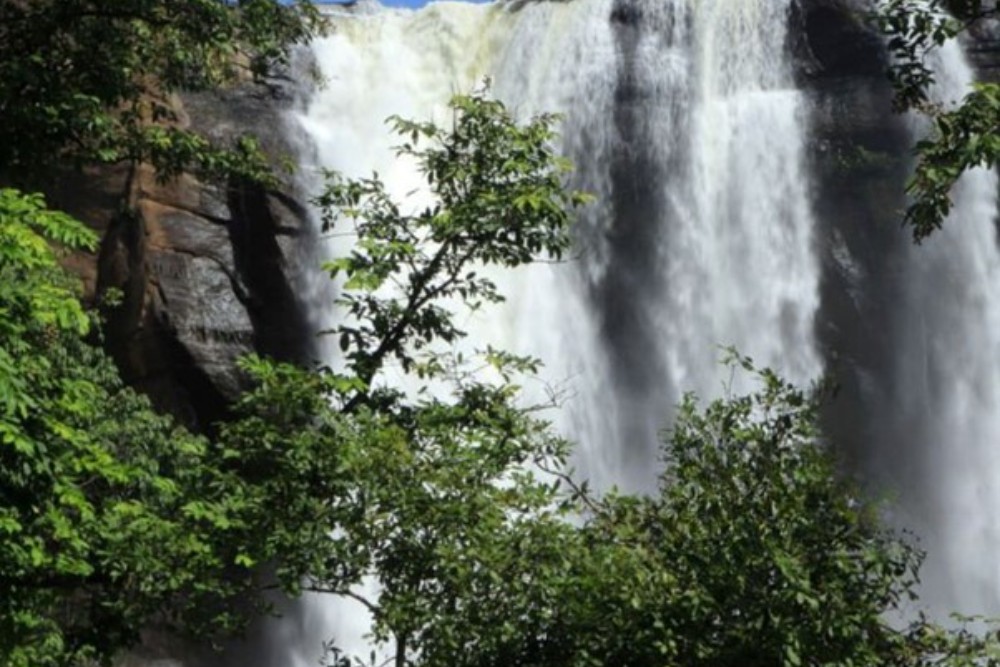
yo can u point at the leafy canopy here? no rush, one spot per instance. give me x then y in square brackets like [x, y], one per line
[88, 81]
[111, 518]
[753, 552]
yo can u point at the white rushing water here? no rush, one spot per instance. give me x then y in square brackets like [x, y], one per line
[682, 119]
[945, 416]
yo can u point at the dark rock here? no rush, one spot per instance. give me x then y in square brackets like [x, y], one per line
[859, 160]
[835, 39]
[207, 270]
[983, 48]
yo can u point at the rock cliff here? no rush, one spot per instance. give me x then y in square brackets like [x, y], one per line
[861, 159]
[207, 271]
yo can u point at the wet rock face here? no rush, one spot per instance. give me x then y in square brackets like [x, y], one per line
[860, 155]
[984, 49]
[207, 271]
[834, 38]
[859, 158]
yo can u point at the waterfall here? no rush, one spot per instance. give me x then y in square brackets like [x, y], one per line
[940, 453]
[702, 232]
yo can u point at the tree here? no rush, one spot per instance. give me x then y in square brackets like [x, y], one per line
[85, 81]
[963, 137]
[765, 554]
[458, 502]
[420, 492]
[111, 517]
[754, 552]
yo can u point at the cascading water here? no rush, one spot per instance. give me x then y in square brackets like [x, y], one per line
[942, 425]
[702, 234]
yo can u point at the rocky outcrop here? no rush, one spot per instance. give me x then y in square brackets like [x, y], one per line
[206, 272]
[861, 158]
[859, 155]
[834, 39]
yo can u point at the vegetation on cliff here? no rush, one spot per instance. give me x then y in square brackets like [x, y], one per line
[111, 517]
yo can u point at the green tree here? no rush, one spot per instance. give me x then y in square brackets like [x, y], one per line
[755, 551]
[961, 138]
[418, 492]
[458, 503]
[88, 81]
[112, 519]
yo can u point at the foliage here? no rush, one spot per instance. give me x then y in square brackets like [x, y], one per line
[418, 498]
[498, 200]
[913, 30]
[417, 492]
[457, 503]
[754, 552]
[111, 517]
[767, 556]
[89, 81]
[963, 137]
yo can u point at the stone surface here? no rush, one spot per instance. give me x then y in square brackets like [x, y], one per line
[833, 39]
[983, 48]
[860, 157]
[207, 270]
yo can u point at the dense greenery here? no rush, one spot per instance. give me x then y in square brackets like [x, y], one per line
[111, 517]
[963, 136]
[753, 553]
[89, 81]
